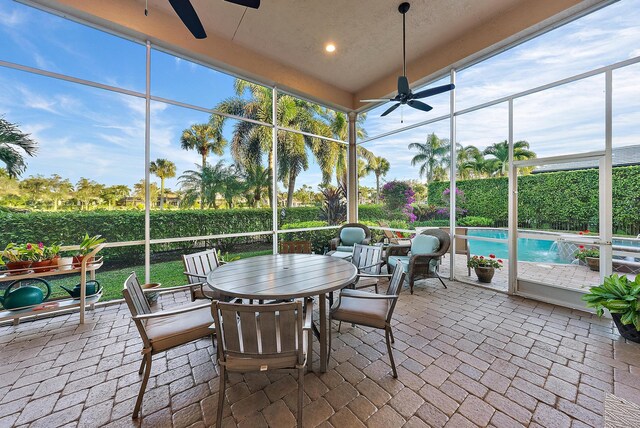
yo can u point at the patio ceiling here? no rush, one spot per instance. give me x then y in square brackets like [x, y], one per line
[282, 43]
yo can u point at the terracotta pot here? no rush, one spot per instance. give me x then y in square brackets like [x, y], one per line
[41, 266]
[54, 262]
[77, 260]
[485, 274]
[152, 298]
[19, 267]
[594, 263]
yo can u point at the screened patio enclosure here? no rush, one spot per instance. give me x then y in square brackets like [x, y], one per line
[575, 120]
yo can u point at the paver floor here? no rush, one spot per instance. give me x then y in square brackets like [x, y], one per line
[466, 356]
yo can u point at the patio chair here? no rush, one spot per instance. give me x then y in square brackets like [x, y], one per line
[368, 260]
[163, 330]
[349, 235]
[196, 268]
[370, 309]
[390, 235]
[295, 247]
[420, 259]
[462, 245]
[257, 338]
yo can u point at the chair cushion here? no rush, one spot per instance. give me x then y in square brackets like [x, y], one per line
[424, 244]
[174, 330]
[345, 248]
[352, 235]
[393, 260]
[368, 312]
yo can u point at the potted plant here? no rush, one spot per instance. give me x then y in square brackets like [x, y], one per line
[589, 256]
[485, 267]
[88, 244]
[41, 261]
[19, 257]
[621, 297]
[52, 252]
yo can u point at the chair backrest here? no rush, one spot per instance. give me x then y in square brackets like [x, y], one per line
[462, 245]
[387, 233]
[443, 237]
[295, 247]
[367, 231]
[367, 258]
[261, 332]
[395, 285]
[134, 296]
[199, 265]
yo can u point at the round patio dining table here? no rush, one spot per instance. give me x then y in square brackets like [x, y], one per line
[286, 276]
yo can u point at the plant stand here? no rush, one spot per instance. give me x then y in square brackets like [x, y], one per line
[90, 264]
[485, 274]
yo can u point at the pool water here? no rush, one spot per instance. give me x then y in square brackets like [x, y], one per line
[529, 250]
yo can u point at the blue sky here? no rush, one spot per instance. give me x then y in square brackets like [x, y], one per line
[93, 133]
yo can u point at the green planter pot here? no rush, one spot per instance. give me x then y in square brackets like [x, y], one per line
[485, 274]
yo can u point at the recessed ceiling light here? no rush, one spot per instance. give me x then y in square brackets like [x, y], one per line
[330, 47]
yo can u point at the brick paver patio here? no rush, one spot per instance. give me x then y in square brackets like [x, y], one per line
[467, 357]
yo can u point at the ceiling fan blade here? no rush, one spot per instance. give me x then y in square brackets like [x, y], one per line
[403, 85]
[189, 17]
[247, 3]
[376, 100]
[433, 91]
[420, 105]
[390, 109]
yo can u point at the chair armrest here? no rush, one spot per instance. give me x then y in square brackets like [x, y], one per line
[308, 316]
[195, 274]
[170, 313]
[370, 275]
[370, 266]
[222, 262]
[165, 289]
[398, 250]
[372, 296]
[333, 244]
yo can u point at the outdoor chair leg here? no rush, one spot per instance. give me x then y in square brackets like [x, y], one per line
[300, 394]
[441, 281]
[221, 395]
[143, 386]
[387, 332]
[391, 335]
[339, 326]
[142, 365]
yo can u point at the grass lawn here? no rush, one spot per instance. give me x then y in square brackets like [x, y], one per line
[168, 273]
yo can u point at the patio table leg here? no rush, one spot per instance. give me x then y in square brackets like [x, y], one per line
[323, 332]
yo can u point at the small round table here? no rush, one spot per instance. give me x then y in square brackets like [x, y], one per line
[285, 276]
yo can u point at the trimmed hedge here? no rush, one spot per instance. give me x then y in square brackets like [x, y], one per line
[554, 200]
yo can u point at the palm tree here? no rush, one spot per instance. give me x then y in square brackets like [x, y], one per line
[13, 143]
[469, 162]
[432, 154]
[233, 186]
[257, 180]
[113, 194]
[204, 184]
[162, 168]
[205, 139]
[380, 167]
[500, 153]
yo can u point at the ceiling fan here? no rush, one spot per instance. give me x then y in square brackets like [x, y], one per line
[405, 95]
[189, 17]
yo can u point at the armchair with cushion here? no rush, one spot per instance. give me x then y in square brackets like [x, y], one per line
[420, 259]
[349, 235]
[163, 330]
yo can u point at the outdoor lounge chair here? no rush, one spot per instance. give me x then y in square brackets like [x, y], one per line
[420, 259]
[370, 309]
[462, 245]
[163, 330]
[349, 235]
[257, 338]
[295, 247]
[196, 268]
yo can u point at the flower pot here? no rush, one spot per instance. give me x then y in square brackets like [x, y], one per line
[54, 262]
[485, 274]
[65, 263]
[41, 265]
[19, 267]
[152, 298]
[594, 263]
[628, 331]
[77, 260]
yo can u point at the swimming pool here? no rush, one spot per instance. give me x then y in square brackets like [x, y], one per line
[529, 249]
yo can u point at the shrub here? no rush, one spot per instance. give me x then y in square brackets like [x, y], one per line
[473, 221]
[399, 196]
[432, 223]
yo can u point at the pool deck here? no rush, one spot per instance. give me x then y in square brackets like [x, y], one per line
[563, 275]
